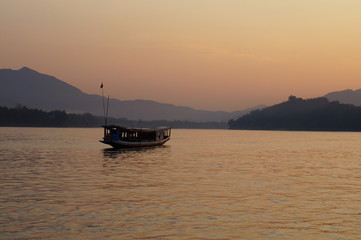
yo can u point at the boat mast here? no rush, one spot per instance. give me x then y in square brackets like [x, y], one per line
[102, 87]
[106, 116]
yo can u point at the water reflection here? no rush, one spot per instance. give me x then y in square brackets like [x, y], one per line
[138, 160]
[124, 153]
[207, 184]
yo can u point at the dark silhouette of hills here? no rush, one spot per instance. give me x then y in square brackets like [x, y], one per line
[318, 114]
[346, 96]
[21, 116]
[35, 90]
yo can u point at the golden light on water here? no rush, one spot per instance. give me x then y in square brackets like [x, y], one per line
[203, 184]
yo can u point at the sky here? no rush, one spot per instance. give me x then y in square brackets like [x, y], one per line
[206, 54]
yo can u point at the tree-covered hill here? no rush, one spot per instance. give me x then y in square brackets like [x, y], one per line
[24, 117]
[317, 114]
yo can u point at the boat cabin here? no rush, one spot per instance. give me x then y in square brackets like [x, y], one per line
[118, 136]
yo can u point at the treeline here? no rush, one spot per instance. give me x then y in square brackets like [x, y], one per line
[318, 114]
[21, 116]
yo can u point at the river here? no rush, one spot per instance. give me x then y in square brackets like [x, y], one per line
[61, 183]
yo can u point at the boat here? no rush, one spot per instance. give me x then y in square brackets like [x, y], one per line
[125, 137]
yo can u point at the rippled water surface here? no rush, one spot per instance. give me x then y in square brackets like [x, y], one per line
[203, 184]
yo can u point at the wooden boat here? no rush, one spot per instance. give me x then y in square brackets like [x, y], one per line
[124, 137]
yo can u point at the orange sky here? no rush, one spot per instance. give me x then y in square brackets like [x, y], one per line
[206, 54]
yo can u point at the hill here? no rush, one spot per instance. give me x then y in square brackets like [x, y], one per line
[318, 114]
[36, 90]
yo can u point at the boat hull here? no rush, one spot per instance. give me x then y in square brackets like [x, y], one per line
[124, 144]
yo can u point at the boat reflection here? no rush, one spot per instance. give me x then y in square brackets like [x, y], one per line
[141, 160]
[124, 153]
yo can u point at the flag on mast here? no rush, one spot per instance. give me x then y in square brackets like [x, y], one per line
[101, 86]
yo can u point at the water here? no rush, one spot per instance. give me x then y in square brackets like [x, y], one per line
[203, 184]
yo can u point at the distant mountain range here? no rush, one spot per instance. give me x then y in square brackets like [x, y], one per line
[346, 96]
[36, 90]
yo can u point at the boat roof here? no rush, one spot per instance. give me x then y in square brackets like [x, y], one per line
[135, 129]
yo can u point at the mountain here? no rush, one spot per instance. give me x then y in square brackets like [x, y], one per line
[346, 96]
[36, 90]
[317, 114]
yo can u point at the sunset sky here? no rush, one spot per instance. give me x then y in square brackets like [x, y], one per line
[206, 54]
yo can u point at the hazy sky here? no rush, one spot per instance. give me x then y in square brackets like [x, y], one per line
[206, 54]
